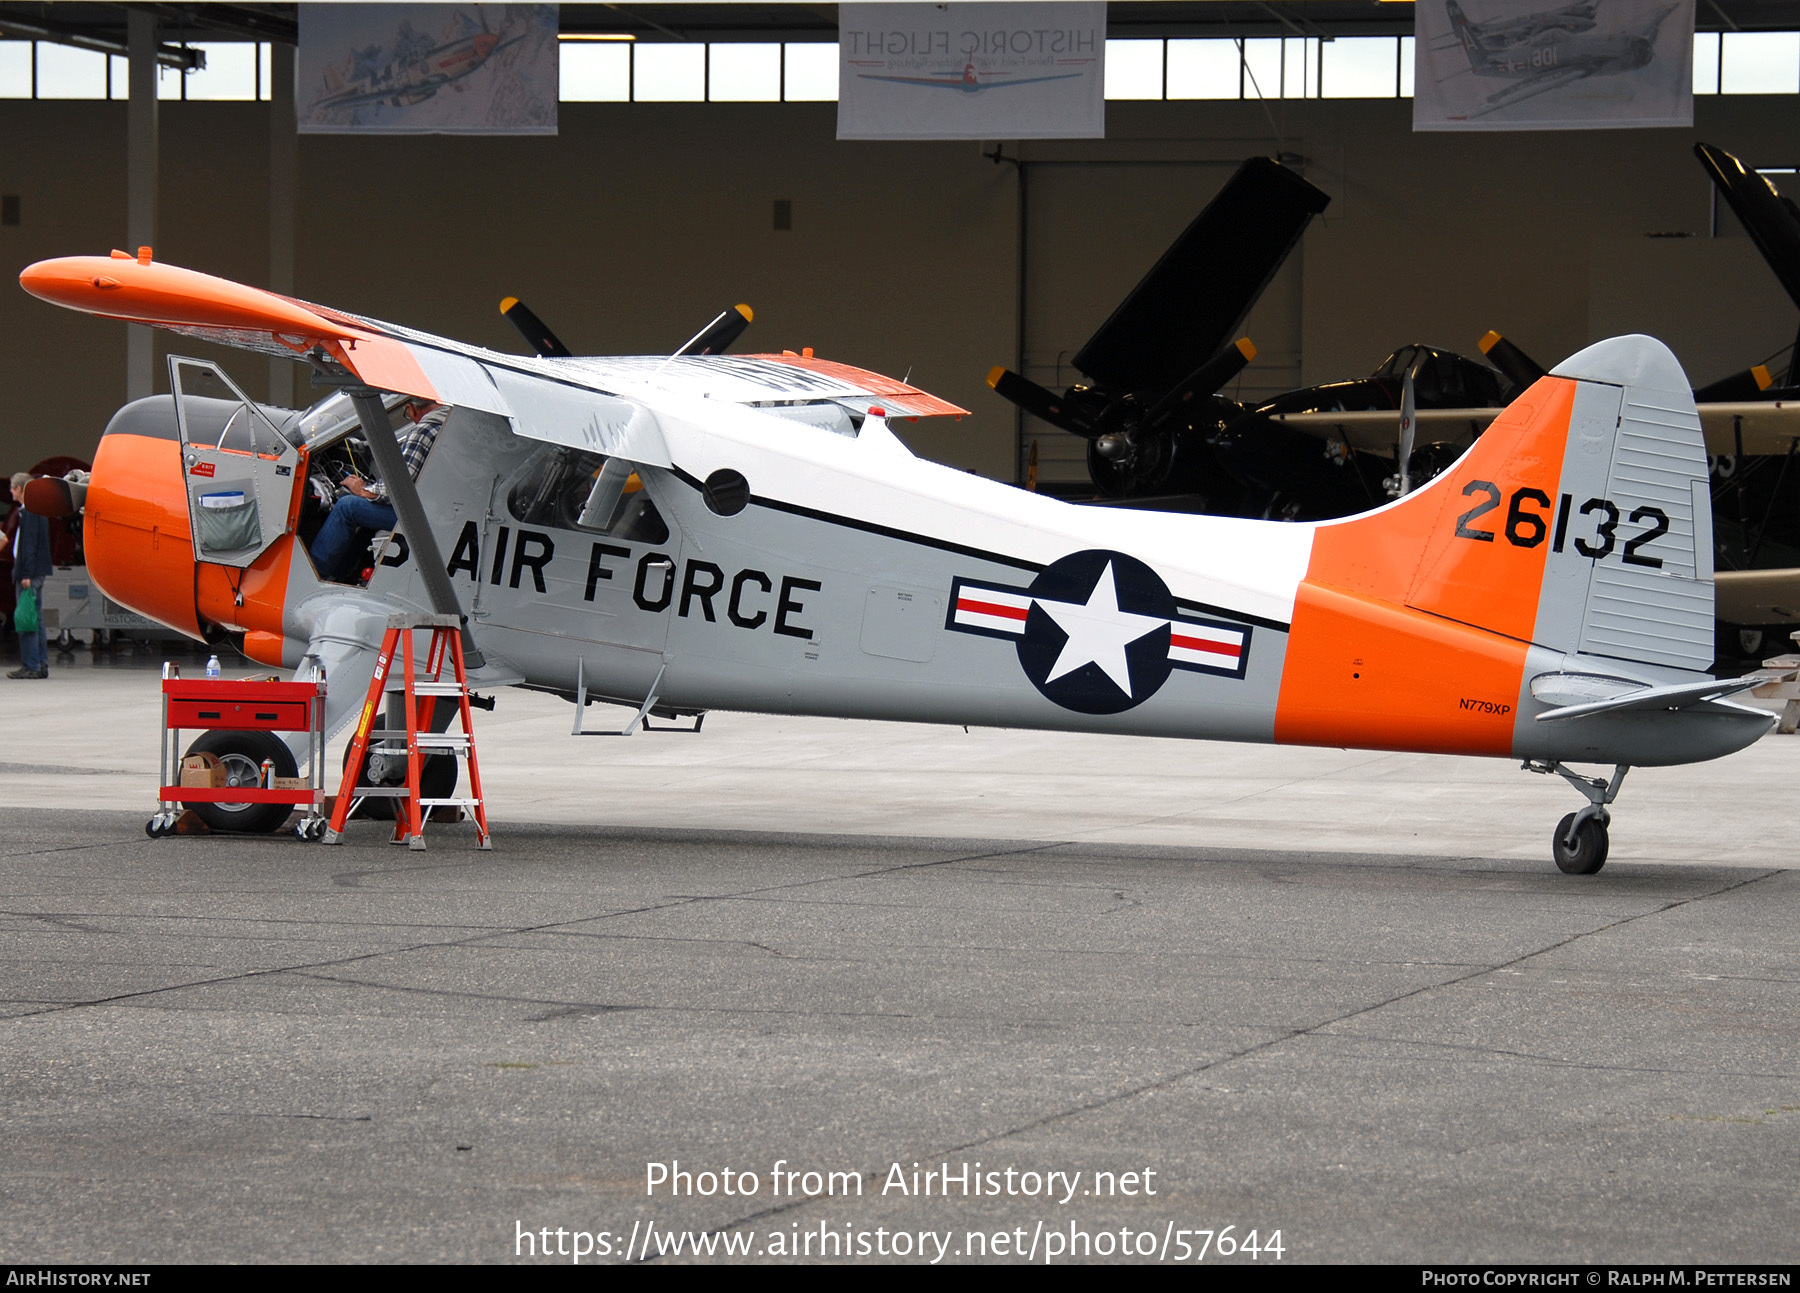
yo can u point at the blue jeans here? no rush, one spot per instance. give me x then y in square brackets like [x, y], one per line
[33, 651]
[338, 549]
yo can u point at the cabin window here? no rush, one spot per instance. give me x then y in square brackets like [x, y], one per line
[553, 487]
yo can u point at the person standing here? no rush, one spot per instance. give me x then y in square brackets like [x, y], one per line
[31, 567]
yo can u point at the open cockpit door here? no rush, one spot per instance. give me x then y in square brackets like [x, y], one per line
[241, 471]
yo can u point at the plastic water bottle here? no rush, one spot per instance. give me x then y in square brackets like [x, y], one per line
[212, 667]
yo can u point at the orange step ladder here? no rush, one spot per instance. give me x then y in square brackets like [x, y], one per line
[422, 692]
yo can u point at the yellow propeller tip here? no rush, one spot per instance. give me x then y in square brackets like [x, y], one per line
[748, 313]
[1763, 378]
[1246, 349]
[995, 374]
[1488, 342]
[508, 304]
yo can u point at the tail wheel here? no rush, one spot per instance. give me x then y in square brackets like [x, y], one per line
[437, 779]
[241, 754]
[1586, 853]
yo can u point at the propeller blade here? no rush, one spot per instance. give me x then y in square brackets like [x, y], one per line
[542, 341]
[1737, 388]
[1204, 380]
[1409, 428]
[1519, 368]
[1041, 402]
[721, 332]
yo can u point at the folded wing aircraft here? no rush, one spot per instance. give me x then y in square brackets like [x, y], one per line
[746, 532]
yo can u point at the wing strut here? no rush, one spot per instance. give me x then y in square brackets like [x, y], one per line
[411, 513]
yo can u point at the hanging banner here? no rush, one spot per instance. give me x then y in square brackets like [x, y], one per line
[427, 69]
[1515, 65]
[972, 71]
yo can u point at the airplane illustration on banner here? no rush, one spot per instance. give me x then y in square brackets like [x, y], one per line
[970, 81]
[1555, 55]
[746, 532]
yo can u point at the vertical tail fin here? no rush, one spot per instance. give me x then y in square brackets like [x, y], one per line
[1581, 521]
[1578, 525]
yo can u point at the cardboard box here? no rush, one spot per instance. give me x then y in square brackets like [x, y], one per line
[201, 772]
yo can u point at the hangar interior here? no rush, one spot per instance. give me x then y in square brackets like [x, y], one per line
[639, 220]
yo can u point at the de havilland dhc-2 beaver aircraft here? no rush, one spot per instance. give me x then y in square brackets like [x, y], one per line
[745, 532]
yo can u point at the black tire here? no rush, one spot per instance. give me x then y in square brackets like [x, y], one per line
[1588, 854]
[243, 753]
[437, 780]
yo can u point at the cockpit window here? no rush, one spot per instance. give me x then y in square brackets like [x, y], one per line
[553, 487]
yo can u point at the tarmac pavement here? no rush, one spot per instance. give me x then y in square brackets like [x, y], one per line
[1341, 995]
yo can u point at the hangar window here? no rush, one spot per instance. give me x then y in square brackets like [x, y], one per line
[594, 72]
[810, 73]
[743, 73]
[230, 72]
[1205, 69]
[65, 72]
[15, 69]
[556, 484]
[1134, 69]
[1359, 67]
[1706, 62]
[668, 73]
[1759, 62]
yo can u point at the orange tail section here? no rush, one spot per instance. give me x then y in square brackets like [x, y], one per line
[1579, 525]
[1411, 627]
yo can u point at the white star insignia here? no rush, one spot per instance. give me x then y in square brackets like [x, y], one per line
[1098, 632]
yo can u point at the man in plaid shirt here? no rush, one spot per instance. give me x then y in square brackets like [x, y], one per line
[340, 547]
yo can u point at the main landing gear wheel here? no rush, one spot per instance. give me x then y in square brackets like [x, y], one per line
[1580, 849]
[242, 754]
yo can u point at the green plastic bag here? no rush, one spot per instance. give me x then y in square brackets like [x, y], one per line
[25, 614]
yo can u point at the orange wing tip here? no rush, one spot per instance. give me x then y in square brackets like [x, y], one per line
[747, 312]
[1489, 341]
[1763, 379]
[169, 296]
[994, 375]
[1244, 348]
[507, 305]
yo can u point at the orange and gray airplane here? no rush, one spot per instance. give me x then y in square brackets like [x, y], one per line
[746, 532]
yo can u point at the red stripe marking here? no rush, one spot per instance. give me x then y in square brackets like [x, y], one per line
[1203, 644]
[992, 608]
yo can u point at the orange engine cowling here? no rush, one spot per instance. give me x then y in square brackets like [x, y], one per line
[135, 530]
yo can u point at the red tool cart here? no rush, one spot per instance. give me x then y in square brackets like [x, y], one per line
[241, 706]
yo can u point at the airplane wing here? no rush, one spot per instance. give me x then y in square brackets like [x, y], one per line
[1377, 431]
[960, 84]
[1757, 596]
[1193, 302]
[580, 402]
[1530, 90]
[1750, 426]
[1769, 219]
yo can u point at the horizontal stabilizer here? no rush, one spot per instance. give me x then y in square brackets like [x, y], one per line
[1195, 299]
[1553, 687]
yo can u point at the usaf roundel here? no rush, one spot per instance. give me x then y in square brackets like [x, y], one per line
[1098, 632]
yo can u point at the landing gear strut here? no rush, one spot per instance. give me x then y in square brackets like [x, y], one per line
[1580, 842]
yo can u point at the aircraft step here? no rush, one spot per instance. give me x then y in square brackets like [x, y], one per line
[442, 740]
[429, 688]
